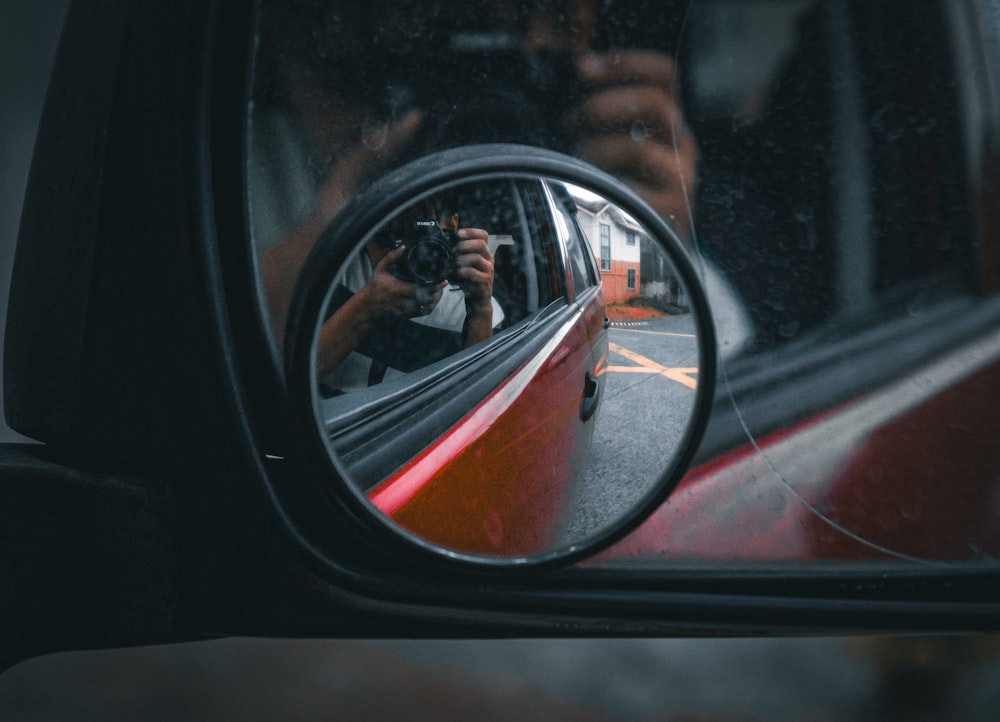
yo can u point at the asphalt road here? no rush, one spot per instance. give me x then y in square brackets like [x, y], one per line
[645, 408]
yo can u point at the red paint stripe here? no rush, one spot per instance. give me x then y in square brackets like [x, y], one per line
[399, 489]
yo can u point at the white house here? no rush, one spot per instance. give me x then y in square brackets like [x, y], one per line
[616, 241]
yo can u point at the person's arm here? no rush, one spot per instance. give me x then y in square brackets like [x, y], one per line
[384, 295]
[280, 266]
[474, 275]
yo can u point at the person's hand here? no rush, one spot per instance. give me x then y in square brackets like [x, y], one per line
[379, 145]
[474, 268]
[280, 265]
[386, 294]
[631, 125]
[474, 275]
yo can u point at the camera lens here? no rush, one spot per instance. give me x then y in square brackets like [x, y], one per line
[429, 259]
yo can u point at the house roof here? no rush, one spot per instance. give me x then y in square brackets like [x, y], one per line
[603, 208]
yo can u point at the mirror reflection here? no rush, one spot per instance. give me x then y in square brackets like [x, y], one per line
[831, 181]
[493, 365]
[343, 92]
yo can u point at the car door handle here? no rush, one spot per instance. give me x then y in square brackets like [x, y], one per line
[591, 396]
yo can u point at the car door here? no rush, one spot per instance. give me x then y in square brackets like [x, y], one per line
[487, 443]
[195, 478]
[587, 290]
[851, 206]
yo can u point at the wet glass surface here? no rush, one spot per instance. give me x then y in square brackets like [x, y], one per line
[836, 198]
[461, 363]
[723, 680]
[823, 173]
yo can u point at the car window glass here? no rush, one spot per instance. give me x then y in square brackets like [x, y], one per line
[513, 218]
[840, 149]
[843, 182]
[833, 210]
[566, 211]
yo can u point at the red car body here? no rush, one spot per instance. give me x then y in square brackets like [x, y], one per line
[499, 481]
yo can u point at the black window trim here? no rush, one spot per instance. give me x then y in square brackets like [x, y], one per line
[440, 395]
[786, 385]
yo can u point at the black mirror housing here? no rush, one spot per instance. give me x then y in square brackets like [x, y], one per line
[138, 355]
[114, 229]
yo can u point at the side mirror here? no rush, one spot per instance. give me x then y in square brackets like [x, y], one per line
[514, 447]
[205, 465]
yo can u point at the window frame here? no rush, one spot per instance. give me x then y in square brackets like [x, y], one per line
[605, 232]
[379, 417]
[877, 332]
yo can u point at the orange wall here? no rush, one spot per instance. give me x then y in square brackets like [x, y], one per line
[615, 281]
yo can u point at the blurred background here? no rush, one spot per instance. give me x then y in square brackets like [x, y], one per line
[947, 678]
[682, 680]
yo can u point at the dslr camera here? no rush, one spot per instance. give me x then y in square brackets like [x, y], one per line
[485, 89]
[430, 253]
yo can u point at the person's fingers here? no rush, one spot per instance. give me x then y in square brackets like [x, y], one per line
[377, 144]
[642, 160]
[641, 111]
[391, 258]
[473, 260]
[662, 175]
[472, 266]
[348, 173]
[389, 138]
[473, 240]
[631, 125]
[628, 68]
[472, 233]
[434, 296]
[423, 300]
[474, 253]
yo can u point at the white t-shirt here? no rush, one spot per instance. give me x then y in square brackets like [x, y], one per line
[447, 315]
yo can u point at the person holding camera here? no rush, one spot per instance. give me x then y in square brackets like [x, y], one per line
[332, 132]
[395, 311]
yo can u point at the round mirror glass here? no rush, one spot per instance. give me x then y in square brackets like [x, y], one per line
[505, 367]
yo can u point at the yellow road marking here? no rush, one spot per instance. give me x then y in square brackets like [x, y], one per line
[648, 366]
